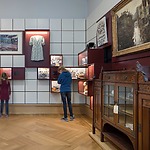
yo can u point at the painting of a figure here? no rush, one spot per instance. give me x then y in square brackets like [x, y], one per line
[132, 27]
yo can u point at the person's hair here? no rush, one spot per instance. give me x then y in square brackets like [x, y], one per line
[4, 76]
[62, 68]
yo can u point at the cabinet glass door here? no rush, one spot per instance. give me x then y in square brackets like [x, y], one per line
[108, 101]
[125, 105]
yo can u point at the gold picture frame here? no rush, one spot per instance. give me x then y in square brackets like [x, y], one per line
[130, 27]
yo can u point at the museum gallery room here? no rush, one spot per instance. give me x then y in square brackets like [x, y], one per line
[100, 49]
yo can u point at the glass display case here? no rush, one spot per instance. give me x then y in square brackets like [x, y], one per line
[8, 71]
[108, 101]
[125, 105]
[119, 107]
[55, 87]
[56, 60]
[43, 73]
[78, 72]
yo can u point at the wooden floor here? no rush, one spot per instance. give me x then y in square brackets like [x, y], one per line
[45, 132]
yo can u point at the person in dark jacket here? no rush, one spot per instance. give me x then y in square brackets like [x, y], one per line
[5, 92]
[65, 81]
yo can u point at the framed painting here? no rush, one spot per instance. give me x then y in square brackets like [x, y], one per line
[11, 42]
[101, 33]
[130, 26]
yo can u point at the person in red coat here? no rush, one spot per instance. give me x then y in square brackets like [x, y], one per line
[5, 91]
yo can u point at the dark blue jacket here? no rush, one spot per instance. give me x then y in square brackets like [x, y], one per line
[65, 80]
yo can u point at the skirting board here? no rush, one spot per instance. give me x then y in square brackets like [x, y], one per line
[103, 145]
[47, 109]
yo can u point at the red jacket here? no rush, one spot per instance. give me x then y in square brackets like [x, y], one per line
[5, 90]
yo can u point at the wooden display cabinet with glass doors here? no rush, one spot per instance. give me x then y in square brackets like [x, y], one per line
[119, 106]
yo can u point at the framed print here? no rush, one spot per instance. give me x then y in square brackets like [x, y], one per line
[11, 42]
[131, 26]
[43, 73]
[56, 60]
[101, 34]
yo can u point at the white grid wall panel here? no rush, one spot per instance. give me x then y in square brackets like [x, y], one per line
[30, 23]
[78, 47]
[67, 61]
[55, 48]
[79, 36]
[18, 24]
[11, 99]
[75, 61]
[67, 36]
[55, 24]
[6, 60]
[18, 97]
[43, 97]
[43, 23]
[31, 97]
[55, 36]
[91, 32]
[67, 48]
[31, 73]
[67, 24]
[78, 98]
[18, 61]
[6, 24]
[18, 85]
[79, 24]
[43, 85]
[88, 100]
[55, 98]
[31, 85]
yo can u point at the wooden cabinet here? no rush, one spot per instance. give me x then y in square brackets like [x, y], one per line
[122, 109]
[97, 111]
[119, 106]
[143, 113]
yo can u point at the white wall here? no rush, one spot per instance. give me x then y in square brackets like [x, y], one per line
[103, 6]
[43, 9]
[67, 37]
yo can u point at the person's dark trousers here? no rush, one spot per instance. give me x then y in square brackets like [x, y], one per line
[66, 96]
[6, 107]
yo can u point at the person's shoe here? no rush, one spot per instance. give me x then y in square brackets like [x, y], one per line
[64, 119]
[6, 116]
[72, 118]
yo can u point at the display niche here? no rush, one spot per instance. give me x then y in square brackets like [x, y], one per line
[18, 73]
[78, 73]
[37, 48]
[43, 73]
[56, 60]
[85, 87]
[55, 87]
[8, 71]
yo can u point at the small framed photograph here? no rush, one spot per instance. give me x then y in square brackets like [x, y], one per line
[43, 73]
[11, 42]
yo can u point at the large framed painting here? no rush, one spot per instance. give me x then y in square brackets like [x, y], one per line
[11, 42]
[131, 26]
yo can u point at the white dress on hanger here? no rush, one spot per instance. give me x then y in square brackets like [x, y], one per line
[37, 41]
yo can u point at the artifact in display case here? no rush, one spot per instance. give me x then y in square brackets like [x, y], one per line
[43, 73]
[56, 60]
[83, 59]
[37, 48]
[8, 71]
[55, 87]
[78, 73]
